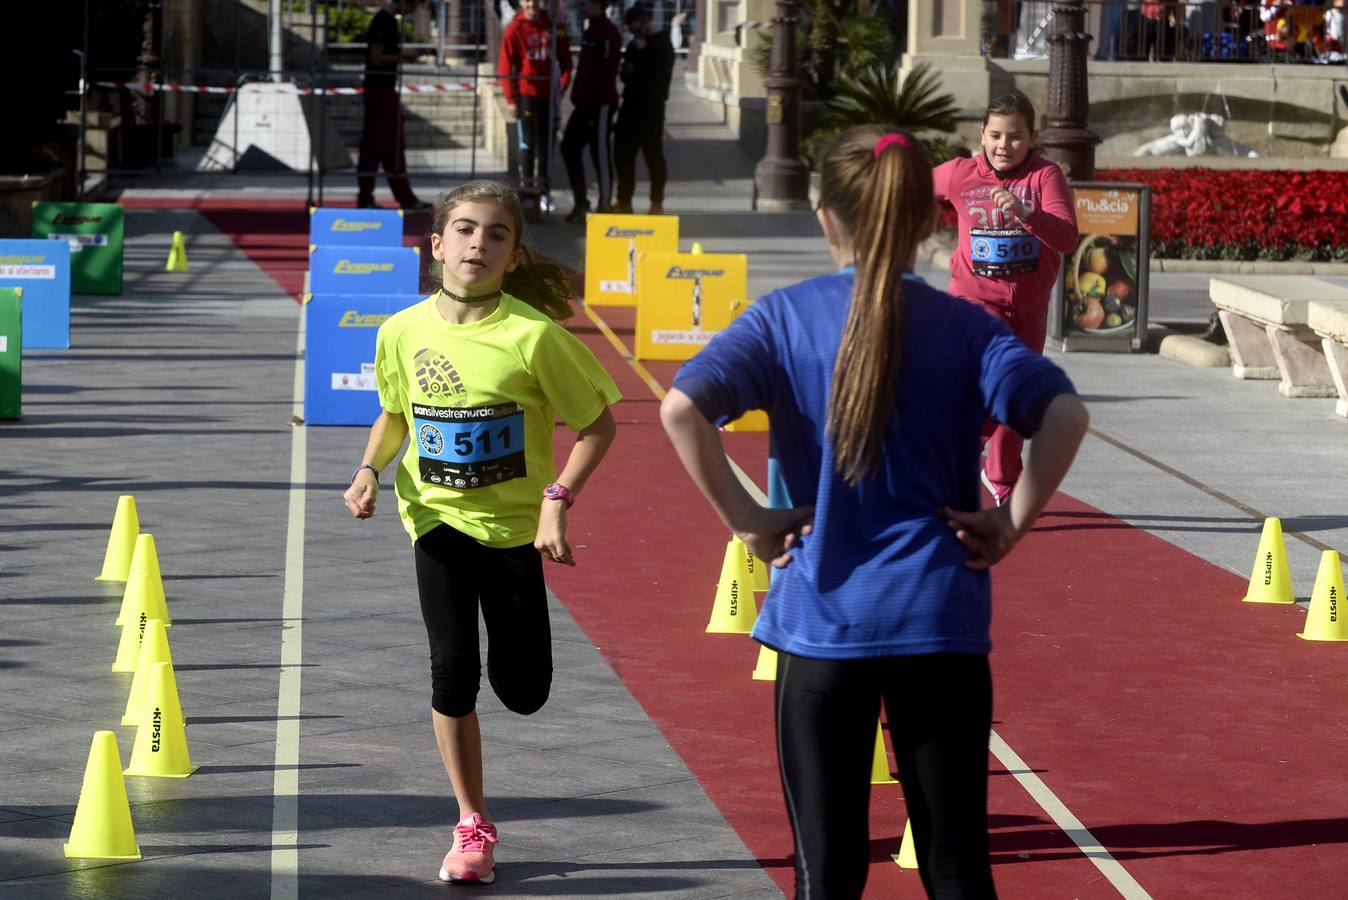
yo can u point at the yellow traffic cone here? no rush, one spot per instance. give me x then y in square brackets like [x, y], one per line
[121, 542]
[880, 773]
[734, 611]
[758, 569]
[154, 648]
[766, 670]
[138, 600]
[102, 828]
[161, 740]
[1270, 581]
[177, 259]
[128, 648]
[907, 855]
[1325, 619]
[144, 586]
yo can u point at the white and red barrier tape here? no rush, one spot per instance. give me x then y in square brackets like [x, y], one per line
[148, 87]
[749, 26]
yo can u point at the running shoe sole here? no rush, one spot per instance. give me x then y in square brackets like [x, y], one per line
[486, 879]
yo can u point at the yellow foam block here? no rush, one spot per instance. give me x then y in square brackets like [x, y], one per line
[612, 245]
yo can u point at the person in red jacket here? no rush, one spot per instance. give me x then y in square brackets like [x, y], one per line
[1015, 216]
[534, 100]
[594, 96]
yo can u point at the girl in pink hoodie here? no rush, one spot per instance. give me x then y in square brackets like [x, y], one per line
[1015, 216]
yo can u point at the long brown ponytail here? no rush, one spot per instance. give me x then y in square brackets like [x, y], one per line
[543, 285]
[883, 201]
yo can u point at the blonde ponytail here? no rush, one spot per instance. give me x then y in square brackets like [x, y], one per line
[877, 185]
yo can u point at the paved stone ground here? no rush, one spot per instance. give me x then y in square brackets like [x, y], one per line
[180, 392]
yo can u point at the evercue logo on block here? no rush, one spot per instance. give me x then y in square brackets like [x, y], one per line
[676, 271]
[355, 319]
[26, 267]
[348, 225]
[347, 267]
[615, 232]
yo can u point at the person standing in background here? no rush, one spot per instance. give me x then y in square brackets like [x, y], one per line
[525, 68]
[877, 386]
[471, 381]
[382, 139]
[647, 67]
[594, 96]
[1016, 216]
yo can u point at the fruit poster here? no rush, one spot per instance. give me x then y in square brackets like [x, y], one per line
[1102, 299]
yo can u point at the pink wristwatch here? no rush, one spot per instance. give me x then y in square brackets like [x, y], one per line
[556, 491]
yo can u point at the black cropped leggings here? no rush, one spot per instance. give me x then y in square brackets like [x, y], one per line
[940, 719]
[456, 574]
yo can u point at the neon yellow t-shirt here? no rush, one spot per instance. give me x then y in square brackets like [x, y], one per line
[481, 401]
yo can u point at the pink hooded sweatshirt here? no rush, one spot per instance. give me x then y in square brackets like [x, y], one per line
[1002, 261]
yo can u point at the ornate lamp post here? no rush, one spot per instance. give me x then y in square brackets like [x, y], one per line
[1066, 139]
[782, 180]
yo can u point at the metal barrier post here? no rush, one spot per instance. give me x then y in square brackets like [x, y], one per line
[313, 77]
[158, 124]
[400, 118]
[477, 98]
[84, 112]
[441, 21]
[275, 61]
[234, 144]
[322, 134]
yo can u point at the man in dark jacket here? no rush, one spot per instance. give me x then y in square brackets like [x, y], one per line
[594, 96]
[382, 139]
[648, 64]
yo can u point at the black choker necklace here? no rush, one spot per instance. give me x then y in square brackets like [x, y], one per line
[485, 298]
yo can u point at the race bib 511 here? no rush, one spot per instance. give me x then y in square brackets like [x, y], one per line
[469, 448]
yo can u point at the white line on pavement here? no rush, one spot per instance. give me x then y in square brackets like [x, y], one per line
[1110, 867]
[285, 825]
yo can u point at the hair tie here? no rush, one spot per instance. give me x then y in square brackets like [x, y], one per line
[888, 140]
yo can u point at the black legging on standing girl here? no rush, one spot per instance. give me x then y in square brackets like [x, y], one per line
[940, 719]
[454, 574]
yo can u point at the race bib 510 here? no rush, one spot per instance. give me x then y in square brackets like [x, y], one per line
[997, 252]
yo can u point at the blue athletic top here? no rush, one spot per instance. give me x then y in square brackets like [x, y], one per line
[882, 574]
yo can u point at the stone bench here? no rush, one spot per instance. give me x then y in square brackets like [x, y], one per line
[1330, 322]
[1265, 320]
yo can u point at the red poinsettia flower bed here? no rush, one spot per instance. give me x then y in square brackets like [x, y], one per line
[1244, 213]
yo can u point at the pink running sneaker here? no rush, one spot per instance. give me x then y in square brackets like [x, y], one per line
[470, 859]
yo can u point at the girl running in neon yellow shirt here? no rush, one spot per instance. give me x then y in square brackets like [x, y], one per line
[477, 374]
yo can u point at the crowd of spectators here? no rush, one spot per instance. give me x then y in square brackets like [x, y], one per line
[1309, 31]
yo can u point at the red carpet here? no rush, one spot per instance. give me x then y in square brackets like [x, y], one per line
[1197, 737]
[274, 234]
[643, 590]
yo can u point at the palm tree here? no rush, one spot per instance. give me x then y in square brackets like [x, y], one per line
[835, 35]
[876, 93]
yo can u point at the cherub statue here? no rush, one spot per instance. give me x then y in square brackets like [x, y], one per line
[1195, 134]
